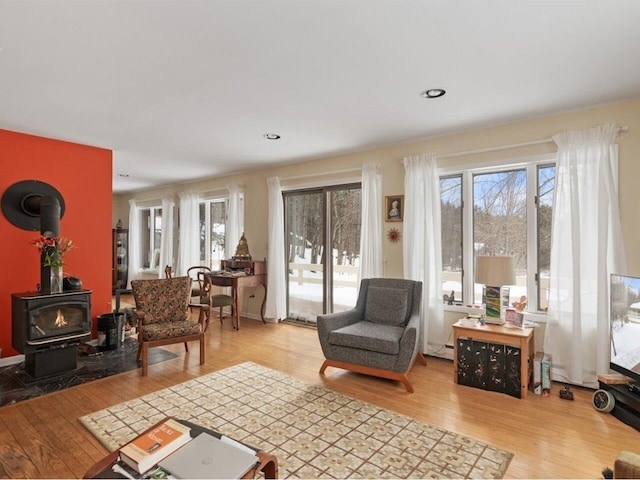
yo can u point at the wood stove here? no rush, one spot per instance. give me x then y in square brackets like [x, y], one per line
[49, 328]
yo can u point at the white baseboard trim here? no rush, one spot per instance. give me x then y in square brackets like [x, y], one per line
[254, 316]
[6, 361]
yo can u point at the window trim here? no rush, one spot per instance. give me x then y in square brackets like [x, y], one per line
[152, 208]
[207, 221]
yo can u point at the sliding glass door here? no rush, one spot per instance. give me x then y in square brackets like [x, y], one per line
[315, 218]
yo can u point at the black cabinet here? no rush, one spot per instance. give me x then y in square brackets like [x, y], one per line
[490, 366]
[119, 258]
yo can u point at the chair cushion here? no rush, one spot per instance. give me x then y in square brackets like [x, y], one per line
[221, 300]
[364, 335]
[387, 306]
[162, 300]
[161, 331]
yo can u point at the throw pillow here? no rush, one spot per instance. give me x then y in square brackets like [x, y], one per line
[386, 305]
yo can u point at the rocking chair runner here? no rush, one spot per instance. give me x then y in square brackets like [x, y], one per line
[162, 307]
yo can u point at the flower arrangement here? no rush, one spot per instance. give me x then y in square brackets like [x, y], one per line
[54, 249]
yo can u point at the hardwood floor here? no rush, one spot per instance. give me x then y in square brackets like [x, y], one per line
[551, 438]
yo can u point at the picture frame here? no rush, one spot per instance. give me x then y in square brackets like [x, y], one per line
[394, 208]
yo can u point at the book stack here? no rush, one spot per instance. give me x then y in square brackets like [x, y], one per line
[145, 451]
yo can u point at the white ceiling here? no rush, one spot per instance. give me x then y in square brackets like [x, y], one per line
[185, 89]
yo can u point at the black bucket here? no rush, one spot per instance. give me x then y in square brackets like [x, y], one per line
[110, 330]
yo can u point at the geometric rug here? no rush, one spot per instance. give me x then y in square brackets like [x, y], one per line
[314, 432]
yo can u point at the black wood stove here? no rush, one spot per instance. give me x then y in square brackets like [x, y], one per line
[47, 329]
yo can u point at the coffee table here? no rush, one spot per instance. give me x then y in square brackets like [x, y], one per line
[268, 463]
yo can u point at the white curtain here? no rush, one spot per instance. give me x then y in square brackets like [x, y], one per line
[235, 221]
[276, 306]
[166, 235]
[422, 245]
[134, 242]
[371, 227]
[586, 247]
[189, 237]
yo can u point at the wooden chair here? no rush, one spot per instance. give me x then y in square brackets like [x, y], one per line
[162, 308]
[213, 301]
[196, 288]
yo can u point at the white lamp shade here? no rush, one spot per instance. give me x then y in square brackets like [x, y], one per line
[495, 271]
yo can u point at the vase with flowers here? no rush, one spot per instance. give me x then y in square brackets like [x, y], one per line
[52, 249]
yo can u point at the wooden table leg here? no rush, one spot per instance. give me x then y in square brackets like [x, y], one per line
[236, 310]
[264, 303]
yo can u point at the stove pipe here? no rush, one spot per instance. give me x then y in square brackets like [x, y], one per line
[49, 226]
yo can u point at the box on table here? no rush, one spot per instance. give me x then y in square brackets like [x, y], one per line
[537, 373]
[546, 374]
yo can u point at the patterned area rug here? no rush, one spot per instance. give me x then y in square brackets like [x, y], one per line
[314, 432]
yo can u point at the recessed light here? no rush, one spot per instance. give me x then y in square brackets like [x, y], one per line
[433, 93]
[271, 136]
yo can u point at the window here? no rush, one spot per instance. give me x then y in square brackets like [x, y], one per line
[151, 228]
[322, 228]
[546, 183]
[451, 216]
[213, 215]
[510, 215]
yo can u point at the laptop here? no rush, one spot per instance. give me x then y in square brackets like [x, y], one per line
[209, 457]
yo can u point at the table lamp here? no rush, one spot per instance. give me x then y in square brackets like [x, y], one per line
[494, 271]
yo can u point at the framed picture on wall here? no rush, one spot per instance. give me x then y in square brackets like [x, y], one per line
[394, 208]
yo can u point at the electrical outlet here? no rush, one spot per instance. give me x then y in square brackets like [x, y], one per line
[252, 296]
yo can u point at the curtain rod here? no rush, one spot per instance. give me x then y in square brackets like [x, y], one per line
[320, 174]
[623, 128]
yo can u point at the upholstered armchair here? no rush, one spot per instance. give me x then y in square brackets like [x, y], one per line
[381, 335]
[162, 308]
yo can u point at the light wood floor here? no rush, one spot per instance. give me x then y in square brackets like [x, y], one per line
[551, 438]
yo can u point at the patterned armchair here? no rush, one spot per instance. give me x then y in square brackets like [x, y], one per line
[162, 307]
[381, 335]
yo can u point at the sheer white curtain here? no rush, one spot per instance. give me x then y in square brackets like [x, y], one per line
[235, 221]
[166, 235]
[189, 237]
[586, 247]
[276, 306]
[422, 244]
[371, 227]
[134, 242]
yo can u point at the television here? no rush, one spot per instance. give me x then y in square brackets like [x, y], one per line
[624, 325]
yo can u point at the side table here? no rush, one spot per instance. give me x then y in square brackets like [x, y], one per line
[499, 334]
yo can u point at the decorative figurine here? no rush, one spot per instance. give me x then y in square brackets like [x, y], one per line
[452, 298]
[566, 393]
[242, 250]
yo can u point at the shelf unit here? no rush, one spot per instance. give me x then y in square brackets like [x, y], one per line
[119, 258]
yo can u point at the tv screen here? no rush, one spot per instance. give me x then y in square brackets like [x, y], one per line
[625, 325]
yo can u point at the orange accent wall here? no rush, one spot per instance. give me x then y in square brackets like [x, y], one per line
[83, 175]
